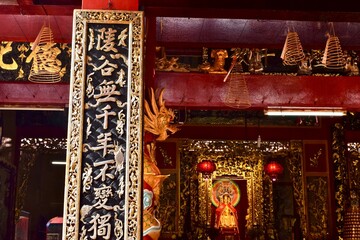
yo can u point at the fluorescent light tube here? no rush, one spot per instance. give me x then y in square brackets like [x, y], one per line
[58, 162]
[304, 112]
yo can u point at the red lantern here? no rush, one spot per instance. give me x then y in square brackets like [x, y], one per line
[206, 167]
[273, 169]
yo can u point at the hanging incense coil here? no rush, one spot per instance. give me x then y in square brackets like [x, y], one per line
[45, 67]
[237, 94]
[292, 53]
[333, 56]
[352, 220]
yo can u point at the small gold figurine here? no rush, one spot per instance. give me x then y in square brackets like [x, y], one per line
[219, 56]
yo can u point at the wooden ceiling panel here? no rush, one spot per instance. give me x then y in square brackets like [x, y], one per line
[225, 29]
[64, 24]
[60, 10]
[263, 32]
[9, 30]
[57, 2]
[179, 29]
[22, 22]
[255, 33]
[30, 25]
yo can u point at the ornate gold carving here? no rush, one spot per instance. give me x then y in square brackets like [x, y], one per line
[167, 212]
[354, 166]
[126, 226]
[219, 56]
[294, 164]
[269, 218]
[167, 65]
[166, 158]
[5, 48]
[153, 178]
[314, 161]
[340, 175]
[317, 197]
[30, 149]
[27, 160]
[157, 122]
[157, 117]
[239, 158]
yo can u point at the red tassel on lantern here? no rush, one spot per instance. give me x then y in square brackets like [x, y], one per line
[273, 169]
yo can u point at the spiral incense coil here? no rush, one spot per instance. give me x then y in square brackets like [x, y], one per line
[237, 94]
[45, 67]
[333, 56]
[292, 53]
[352, 224]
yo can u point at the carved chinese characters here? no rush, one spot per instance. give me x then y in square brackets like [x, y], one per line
[104, 157]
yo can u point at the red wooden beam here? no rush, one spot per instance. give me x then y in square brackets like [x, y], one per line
[207, 91]
[248, 13]
[31, 95]
[131, 5]
[236, 132]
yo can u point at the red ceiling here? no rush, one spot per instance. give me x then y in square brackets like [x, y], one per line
[225, 23]
[22, 22]
[196, 90]
[199, 32]
[211, 23]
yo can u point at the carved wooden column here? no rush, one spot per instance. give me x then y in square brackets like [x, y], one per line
[104, 156]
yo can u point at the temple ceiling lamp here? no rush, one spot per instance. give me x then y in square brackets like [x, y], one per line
[206, 168]
[304, 111]
[274, 170]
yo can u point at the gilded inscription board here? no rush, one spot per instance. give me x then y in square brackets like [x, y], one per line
[103, 171]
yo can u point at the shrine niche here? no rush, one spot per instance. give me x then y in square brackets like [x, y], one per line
[237, 201]
[227, 210]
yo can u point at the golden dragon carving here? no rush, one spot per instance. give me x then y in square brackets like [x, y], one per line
[158, 118]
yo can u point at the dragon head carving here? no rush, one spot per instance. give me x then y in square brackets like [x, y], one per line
[158, 118]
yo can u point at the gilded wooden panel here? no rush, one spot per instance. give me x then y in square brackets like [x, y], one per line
[104, 156]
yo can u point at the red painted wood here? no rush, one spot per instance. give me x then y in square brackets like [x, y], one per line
[255, 13]
[132, 5]
[183, 32]
[193, 90]
[150, 52]
[304, 5]
[197, 90]
[267, 133]
[29, 94]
